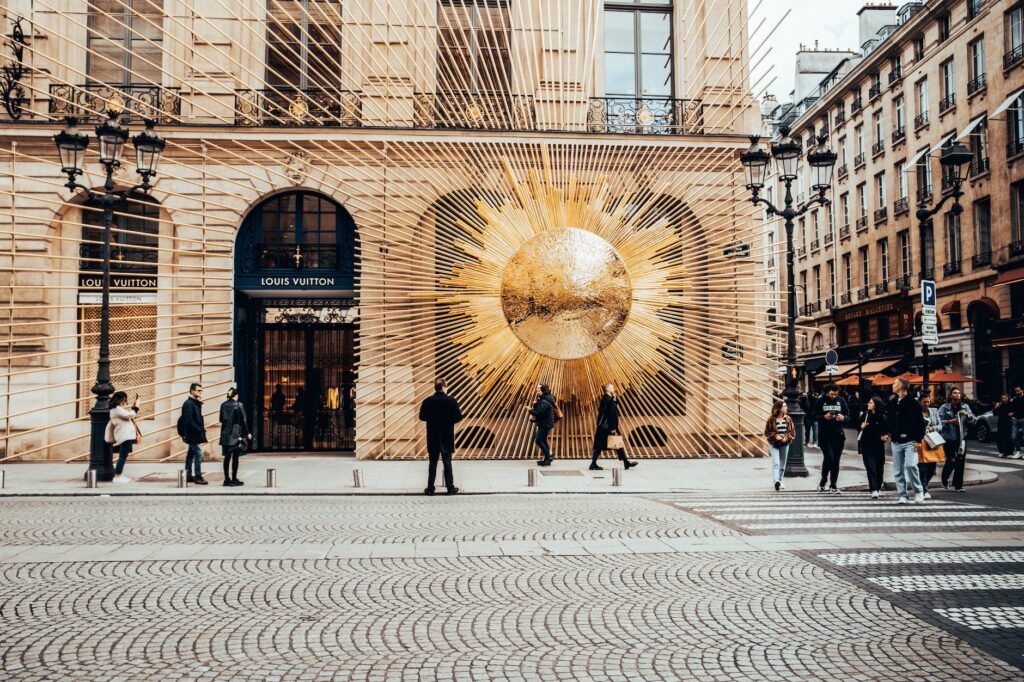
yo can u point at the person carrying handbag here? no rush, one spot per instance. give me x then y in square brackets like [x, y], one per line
[930, 449]
[779, 432]
[235, 437]
[122, 432]
[607, 436]
[955, 415]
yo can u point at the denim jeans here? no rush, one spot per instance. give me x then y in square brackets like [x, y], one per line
[904, 461]
[542, 441]
[194, 455]
[779, 454]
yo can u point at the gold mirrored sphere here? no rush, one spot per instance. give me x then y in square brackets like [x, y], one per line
[566, 293]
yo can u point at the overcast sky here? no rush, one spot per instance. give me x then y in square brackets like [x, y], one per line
[833, 23]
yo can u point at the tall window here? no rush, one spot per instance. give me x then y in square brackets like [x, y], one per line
[918, 48]
[880, 197]
[879, 128]
[815, 225]
[848, 271]
[901, 180]
[1015, 123]
[473, 46]
[1015, 29]
[954, 245]
[982, 227]
[844, 208]
[904, 245]
[928, 244]
[948, 79]
[883, 259]
[831, 265]
[899, 115]
[922, 98]
[303, 44]
[842, 151]
[976, 53]
[862, 200]
[638, 48]
[817, 282]
[1017, 211]
[979, 147]
[125, 42]
[859, 131]
[943, 24]
[924, 173]
[865, 267]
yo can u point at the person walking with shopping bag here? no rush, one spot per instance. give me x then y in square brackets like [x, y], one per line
[607, 436]
[235, 437]
[905, 430]
[780, 433]
[122, 431]
[955, 415]
[930, 450]
[545, 413]
[871, 443]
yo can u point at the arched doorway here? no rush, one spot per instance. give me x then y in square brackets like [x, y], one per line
[296, 322]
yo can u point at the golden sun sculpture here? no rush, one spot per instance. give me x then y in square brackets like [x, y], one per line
[564, 285]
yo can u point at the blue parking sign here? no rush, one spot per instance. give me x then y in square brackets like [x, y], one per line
[929, 295]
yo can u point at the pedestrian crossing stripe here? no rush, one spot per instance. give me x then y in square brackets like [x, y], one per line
[895, 524]
[914, 511]
[917, 558]
[985, 617]
[949, 583]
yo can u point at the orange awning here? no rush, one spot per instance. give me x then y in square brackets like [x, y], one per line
[848, 381]
[943, 377]
[882, 380]
[1009, 276]
[951, 307]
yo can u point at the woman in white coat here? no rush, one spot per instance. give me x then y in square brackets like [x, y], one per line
[122, 432]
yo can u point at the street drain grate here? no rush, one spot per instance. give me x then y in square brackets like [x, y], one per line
[562, 473]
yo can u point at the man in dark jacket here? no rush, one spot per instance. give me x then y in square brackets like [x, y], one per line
[192, 428]
[906, 428]
[831, 413]
[441, 413]
[543, 413]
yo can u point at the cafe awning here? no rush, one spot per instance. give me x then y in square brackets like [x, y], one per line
[876, 366]
[1009, 277]
[1007, 102]
[941, 376]
[884, 380]
[843, 369]
[951, 307]
[851, 380]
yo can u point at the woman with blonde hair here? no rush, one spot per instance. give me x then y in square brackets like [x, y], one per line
[780, 433]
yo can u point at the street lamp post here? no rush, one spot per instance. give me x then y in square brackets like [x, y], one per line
[822, 160]
[71, 146]
[954, 161]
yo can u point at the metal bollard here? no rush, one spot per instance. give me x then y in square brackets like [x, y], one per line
[90, 478]
[182, 478]
[357, 478]
[616, 477]
[271, 478]
[3, 478]
[531, 477]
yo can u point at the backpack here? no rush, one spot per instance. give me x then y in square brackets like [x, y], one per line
[181, 425]
[557, 410]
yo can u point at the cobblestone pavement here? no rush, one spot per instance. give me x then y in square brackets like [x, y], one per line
[631, 614]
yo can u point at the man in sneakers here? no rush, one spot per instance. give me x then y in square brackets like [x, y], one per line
[192, 429]
[906, 427]
[1017, 421]
[831, 414]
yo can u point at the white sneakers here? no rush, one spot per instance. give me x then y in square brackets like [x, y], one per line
[874, 494]
[122, 479]
[927, 496]
[919, 498]
[1017, 454]
[902, 500]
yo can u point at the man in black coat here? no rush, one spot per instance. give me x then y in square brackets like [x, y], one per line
[441, 413]
[192, 428]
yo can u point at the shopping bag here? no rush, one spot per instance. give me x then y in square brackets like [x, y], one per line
[616, 442]
[930, 455]
[934, 439]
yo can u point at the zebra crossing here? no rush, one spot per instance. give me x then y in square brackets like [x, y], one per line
[822, 513]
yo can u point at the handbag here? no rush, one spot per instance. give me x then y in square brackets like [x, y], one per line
[934, 439]
[616, 442]
[932, 455]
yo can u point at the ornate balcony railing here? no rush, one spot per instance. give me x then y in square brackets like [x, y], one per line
[844, 232]
[815, 245]
[829, 238]
[903, 283]
[882, 287]
[863, 293]
[1016, 248]
[954, 267]
[924, 196]
[881, 214]
[840, 116]
[874, 91]
[982, 259]
[927, 273]
[89, 102]
[946, 184]
[290, 106]
[899, 135]
[947, 102]
[1015, 147]
[800, 252]
[877, 148]
[830, 303]
[856, 105]
[814, 307]
[474, 110]
[862, 223]
[842, 171]
[901, 206]
[895, 76]
[650, 115]
[858, 160]
[1013, 57]
[921, 120]
[977, 84]
[845, 298]
[978, 167]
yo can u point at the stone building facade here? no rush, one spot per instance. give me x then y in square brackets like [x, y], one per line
[325, 164]
[931, 74]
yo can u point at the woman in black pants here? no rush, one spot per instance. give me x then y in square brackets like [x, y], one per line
[607, 424]
[871, 445]
[234, 433]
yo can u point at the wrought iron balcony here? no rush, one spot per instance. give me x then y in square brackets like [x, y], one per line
[882, 287]
[982, 259]
[297, 257]
[903, 283]
[899, 135]
[88, 102]
[461, 110]
[977, 84]
[954, 267]
[946, 184]
[1016, 248]
[829, 238]
[857, 105]
[921, 120]
[825, 130]
[1014, 57]
[874, 91]
[978, 167]
[858, 160]
[286, 105]
[947, 102]
[815, 245]
[924, 196]
[842, 171]
[845, 298]
[830, 304]
[844, 231]
[862, 223]
[863, 293]
[901, 206]
[927, 273]
[1015, 147]
[841, 116]
[881, 214]
[877, 148]
[801, 252]
[895, 76]
[814, 307]
[646, 115]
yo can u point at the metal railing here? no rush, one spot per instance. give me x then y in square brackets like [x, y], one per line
[947, 102]
[841, 116]
[1014, 56]
[877, 148]
[88, 102]
[829, 238]
[874, 91]
[924, 196]
[830, 303]
[1016, 248]
[895, 76]
[858, 160]
[881, 214]
[903, 282]
[1015, 147]
[645, 115]
[844, 231]
[857, 105]
[982, 259]
[977, 84]
[863, 293]
[285, 105]
[899, 135]
[902, 205]
[842, 171]
[927, 273]
[882, 287]
[978, 167]
[921, 119]
[815, 245]
[862, 223]
[954, 267]
[845, 299]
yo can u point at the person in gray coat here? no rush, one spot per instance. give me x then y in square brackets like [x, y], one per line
[234, 435]
[955, 416]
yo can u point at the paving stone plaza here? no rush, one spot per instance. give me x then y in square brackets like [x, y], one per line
[509, 587]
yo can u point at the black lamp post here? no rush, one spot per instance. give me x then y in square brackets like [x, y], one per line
[71, 146]
[822, 160]
[954, 160]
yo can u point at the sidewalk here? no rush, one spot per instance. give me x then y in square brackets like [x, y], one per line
[320, 475]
